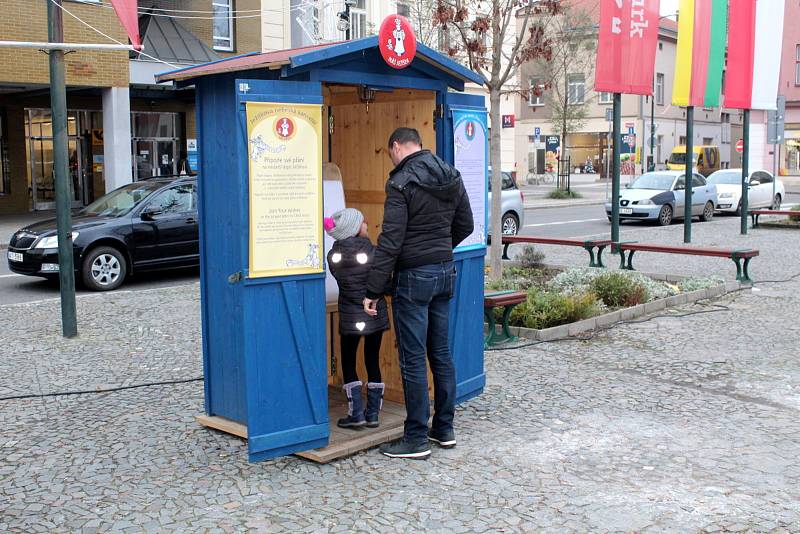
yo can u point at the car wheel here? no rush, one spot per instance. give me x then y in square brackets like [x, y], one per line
[665, 215]
[104, 269]
[776, 202]
[739, 208]
[708, 212]
[510, 224]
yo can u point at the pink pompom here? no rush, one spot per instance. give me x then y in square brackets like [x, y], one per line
[329, 224]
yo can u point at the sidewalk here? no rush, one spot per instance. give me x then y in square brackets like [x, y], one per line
[592, 191]
[686, 423]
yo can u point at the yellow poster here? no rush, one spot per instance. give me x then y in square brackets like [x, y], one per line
[285, 157]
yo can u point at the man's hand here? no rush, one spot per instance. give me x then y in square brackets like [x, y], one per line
[371, 307]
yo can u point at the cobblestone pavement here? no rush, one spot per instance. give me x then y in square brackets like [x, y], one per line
[677, 424]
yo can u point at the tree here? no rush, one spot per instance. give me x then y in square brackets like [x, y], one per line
[493, 40]
[566, 72]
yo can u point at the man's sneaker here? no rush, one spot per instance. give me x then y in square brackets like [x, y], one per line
[446, 440]
[403, 449]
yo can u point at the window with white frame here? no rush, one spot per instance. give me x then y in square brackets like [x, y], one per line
[660, 89]
[576, 86]
[223, 25]
[605, 98]
[358, 20]
[797, 65]
[536, 92]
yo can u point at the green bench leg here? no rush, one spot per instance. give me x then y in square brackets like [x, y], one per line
[754, 219]
[622, 262]
[599, 262]
[743, 271]
[505, 251]
[492, 337]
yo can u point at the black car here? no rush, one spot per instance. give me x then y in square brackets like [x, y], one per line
[141, 226]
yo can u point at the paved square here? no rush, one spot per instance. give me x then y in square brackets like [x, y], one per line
[687, 423]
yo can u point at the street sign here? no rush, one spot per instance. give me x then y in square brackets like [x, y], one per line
[537, 131]
[630, 130]
[775, 122]
[740, 146]
[508, 121]
[609, 114]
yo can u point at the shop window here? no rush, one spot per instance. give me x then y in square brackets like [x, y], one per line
[223, 25]
[660, 89]
[576, 85]
[5, 185]
[533, 98]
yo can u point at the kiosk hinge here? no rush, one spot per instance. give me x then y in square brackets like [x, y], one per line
[438, 113]
[235, 277]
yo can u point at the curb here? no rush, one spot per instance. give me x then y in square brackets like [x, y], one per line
[549, 205]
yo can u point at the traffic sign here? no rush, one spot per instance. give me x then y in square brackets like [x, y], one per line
[630, 130]
[537, 131]
[740, 146]
[609, 114]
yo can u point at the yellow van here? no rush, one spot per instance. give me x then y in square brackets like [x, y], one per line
[706, 159]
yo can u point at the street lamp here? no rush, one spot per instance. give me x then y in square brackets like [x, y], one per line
[343, 24]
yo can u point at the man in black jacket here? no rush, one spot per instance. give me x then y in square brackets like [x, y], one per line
[426, 215]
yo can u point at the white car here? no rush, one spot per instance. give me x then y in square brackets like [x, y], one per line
[760, 194]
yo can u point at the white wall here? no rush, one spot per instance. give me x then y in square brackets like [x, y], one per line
[275, 24]
[117, 161]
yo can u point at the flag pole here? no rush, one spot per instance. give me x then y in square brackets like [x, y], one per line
[58, 103]
[687, 197]
[615, 169]
[745, 169]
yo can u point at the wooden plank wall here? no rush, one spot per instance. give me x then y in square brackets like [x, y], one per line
[358, 147]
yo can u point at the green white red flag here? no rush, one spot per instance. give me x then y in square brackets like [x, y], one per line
[754, 53]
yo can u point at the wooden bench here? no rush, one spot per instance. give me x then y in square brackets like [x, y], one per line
[588, 244]
[737, 255]
[495, 299]
[755, 214]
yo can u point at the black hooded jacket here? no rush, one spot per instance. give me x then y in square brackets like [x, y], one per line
[425, 216]
[349, 262]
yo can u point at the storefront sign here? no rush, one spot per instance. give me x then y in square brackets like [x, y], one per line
[508, 121]
[192, 156]
[628, 36]
[285, 158]
[97, 163]
[397, 41]
[471, 150]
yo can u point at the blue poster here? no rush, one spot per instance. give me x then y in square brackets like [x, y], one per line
[470, 137]
[192, 155]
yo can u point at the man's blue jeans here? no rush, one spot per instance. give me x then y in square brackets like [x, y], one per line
[421, 309]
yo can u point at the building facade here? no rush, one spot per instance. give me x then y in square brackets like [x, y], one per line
[591, 141]
[122, 126]
[789, 151]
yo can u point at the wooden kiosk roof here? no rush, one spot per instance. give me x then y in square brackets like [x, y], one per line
[289, 62]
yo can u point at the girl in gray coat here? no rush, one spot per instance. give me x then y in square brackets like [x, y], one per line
[349, 261]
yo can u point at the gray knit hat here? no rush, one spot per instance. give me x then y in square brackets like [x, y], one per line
[344, 223]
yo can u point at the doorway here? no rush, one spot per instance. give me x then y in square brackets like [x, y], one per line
[155, 144]
[39, 130]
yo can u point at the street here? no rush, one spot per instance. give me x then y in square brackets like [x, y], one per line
[566, 222]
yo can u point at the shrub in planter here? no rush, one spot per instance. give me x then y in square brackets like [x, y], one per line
[619, 291]
[545, 309]
[795, 218]
[531, 258]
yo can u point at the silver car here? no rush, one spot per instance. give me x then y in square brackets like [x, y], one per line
[760, 191]
[513, 204]
[659, 196]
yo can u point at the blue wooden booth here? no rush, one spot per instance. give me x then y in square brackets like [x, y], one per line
[270, 343]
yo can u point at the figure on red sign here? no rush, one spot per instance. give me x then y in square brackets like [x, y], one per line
[285, 128]
[399, 34]
[470, 130]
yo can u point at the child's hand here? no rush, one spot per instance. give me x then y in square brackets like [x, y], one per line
[371, 307]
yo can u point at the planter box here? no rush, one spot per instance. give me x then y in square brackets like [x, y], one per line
[608, 319]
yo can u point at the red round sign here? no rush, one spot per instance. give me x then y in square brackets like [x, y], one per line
[740, 145]
[397, 41]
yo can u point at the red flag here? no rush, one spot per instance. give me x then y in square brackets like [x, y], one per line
[127, 12]
[626, 51]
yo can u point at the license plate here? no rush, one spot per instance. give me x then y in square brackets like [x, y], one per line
[625, 211]
[14, 256]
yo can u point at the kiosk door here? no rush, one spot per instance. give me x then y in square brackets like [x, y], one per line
[283, 279]
[462, 126]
